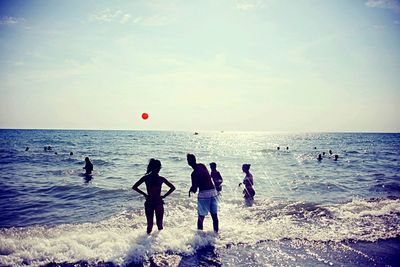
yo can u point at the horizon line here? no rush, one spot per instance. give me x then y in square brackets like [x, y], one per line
[194, 131]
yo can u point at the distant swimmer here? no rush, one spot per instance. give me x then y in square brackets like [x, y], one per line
[330, 152]
[323, 153]
[154, 201]
[319, 157]
[315, 147]
[49, 148]
[336, 157]
[55, 153]
[277, 148]
[248, 182]
[27, 148]
[45, 148]
[287, 148]
[216, 176]
[71, 154]
[88, 166]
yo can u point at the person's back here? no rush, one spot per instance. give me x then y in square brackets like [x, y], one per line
[216, 176]
[201, 179]
[88, 166]
[153, 185]
[154, 201]
[248, 182]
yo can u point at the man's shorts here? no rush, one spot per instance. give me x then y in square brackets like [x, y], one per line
[205, 205]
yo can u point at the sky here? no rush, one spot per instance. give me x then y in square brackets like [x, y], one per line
[224, 65]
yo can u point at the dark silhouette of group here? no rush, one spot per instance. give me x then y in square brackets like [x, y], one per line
[335, 157]
[207, 185]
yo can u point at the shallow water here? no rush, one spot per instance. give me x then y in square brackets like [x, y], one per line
[305, 212]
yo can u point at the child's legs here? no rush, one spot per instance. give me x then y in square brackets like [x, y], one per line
[159, 209]
[149, 210]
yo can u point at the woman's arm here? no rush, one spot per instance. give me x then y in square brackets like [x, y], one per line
[137, 184]
[171, 188]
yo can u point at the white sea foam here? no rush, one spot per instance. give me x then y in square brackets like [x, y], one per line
[122, 239]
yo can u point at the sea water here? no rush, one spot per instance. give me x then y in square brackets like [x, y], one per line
[305, 212]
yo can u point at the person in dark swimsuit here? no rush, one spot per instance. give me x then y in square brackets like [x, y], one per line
[88, 166]
[248, 192]
[154, 201]
[216, 176]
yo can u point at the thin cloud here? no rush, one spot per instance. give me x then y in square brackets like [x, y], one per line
[109, 15]
[125, 18]
[6, 20]
[246, 5]
[385, 4]
[154, 21]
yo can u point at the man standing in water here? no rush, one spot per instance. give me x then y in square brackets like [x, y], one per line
[207, 197]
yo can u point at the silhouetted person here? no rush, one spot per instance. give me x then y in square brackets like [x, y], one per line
[49, 148]
[88, 166]
[287, 148]
[323, 153]
[27, 148]
[154, 201]
[319, 157]
[45, 148]
[207, 198]
[330, 152]
[55, 153]
[216, 176]
[277, 148]
[248, 182]
[336, 157]
[315, 147]
[70, 153]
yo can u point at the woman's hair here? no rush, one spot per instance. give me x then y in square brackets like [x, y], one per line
[154, 166]
[246, 166]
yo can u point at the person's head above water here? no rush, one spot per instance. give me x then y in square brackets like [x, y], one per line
[213, 166]
[87, 159]
[154, 166]
[246, 167]
[191, 159]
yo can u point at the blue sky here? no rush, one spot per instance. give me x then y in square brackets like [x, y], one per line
[250, 65]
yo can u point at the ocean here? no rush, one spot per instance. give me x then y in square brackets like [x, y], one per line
[305, 212]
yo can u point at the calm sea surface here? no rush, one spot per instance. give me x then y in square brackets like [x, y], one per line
[305, 213]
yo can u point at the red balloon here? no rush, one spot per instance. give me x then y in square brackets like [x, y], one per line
[145, 116]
